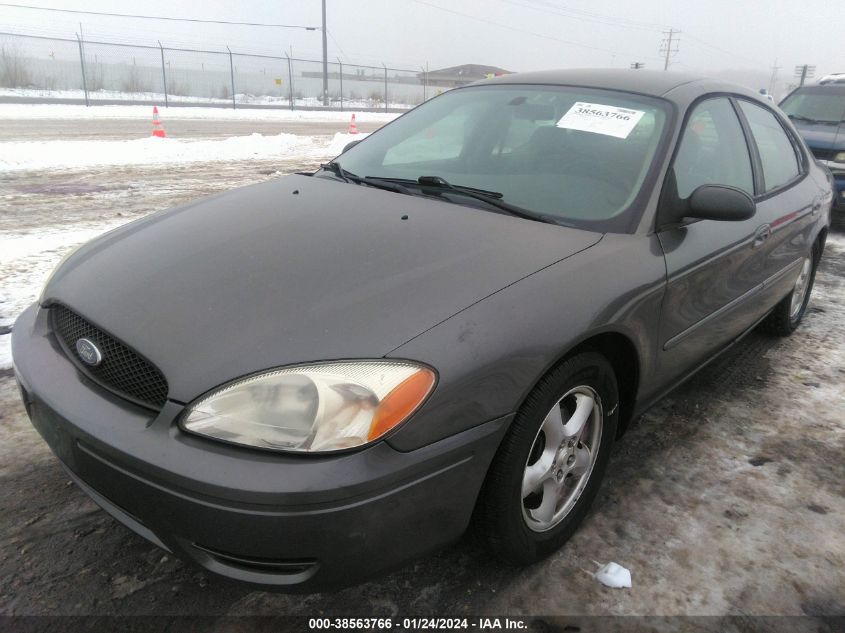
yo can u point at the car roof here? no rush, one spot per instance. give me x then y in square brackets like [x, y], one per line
[649, 82]
[830, 87]
[833, 78]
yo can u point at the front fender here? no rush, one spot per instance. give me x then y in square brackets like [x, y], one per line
[490, 355]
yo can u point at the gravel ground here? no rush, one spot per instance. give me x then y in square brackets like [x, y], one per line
[727, 498]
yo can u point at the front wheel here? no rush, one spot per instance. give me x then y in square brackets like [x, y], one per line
[549, 467]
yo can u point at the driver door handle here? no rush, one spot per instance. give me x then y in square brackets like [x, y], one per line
[763, 233]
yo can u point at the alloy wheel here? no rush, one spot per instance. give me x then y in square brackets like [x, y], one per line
[802, 284]
[561, 458]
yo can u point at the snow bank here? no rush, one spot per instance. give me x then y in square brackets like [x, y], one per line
[17, 156]
[30, 111]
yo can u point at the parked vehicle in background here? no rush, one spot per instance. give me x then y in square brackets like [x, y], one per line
[835, 78]
[818, 113]
[309, 381]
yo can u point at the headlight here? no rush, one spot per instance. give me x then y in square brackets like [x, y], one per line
[839, 158]
[321, 407]
[64, 258]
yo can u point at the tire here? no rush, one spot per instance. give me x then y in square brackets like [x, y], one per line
[787, 314]
[515, 523]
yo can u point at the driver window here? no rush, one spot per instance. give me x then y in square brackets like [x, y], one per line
[713, 150]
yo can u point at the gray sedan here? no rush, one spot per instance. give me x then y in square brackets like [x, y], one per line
[309, 381]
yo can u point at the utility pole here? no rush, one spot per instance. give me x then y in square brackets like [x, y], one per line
[340, 63]
[325, 59]
[805, 72]
[163, 74]
[773, 79]
[82, 66]
[637, 65]
[666, 46]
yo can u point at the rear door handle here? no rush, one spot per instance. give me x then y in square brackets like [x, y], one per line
[763, 233]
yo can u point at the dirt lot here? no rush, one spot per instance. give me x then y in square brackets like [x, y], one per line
[726, 498]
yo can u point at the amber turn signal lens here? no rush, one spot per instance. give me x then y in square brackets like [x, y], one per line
[401, 402]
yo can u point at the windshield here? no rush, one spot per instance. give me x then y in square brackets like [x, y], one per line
[821, 104]
[567, 153]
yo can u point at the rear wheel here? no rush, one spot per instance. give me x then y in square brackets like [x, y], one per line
[787, 315]
[550, 464]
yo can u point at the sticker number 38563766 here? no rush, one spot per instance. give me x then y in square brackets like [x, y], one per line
[601, 119]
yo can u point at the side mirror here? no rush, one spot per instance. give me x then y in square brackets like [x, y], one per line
[350, 146]
[718, 202]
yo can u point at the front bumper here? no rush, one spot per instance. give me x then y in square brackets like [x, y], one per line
[297, 523]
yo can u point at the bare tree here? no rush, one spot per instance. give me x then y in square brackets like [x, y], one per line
[14, 69]
[134, 82]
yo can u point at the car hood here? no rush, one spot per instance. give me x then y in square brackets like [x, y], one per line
[294, 270]
[823, 137]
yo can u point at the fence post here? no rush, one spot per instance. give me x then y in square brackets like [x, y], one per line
[340, 63]
[385, 87]
[163, 74]
[232, 75]
[82, 64]
[290, 81]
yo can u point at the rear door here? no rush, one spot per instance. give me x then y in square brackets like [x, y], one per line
[714, 268]
[789, 203]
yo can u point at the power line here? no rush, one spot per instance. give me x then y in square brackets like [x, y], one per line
[336, 43]
[595, 14]
[586, 16]
[721, 50]
[608, 20]
[156, 17]
[517, 29]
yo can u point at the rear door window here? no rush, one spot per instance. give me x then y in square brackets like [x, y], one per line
[777, 153]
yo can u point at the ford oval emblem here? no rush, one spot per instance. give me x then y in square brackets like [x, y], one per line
[89, 352]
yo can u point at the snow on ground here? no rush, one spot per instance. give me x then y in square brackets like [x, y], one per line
[26, 261]
[53, 154]
[62, 111]
[27, 256]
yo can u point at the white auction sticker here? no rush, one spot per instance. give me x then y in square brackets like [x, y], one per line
[601, 119]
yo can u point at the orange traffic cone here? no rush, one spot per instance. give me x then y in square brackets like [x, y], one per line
[158, 128]
[352, 129]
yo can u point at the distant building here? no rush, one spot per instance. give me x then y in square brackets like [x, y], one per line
[461, 75]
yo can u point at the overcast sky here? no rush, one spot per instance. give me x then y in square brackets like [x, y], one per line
[718, 36]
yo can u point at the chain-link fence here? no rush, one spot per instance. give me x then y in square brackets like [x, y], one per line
[82, 70]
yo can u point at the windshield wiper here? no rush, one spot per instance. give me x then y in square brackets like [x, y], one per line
[335, 169]
[493, 198]
[379, 183]
[806, 119]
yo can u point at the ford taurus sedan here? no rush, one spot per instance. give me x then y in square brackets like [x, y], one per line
[312, 380]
